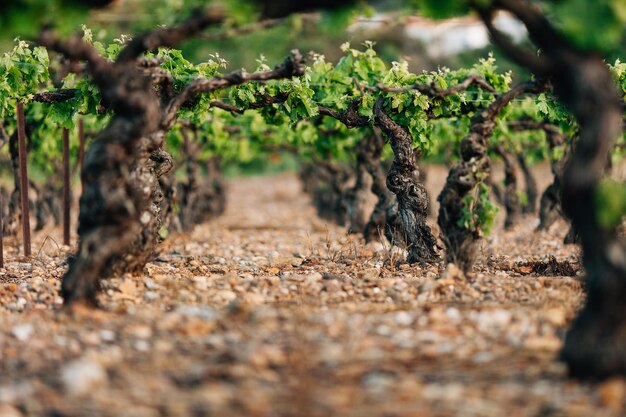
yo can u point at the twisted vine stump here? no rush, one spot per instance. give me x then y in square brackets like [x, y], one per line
[202, 201]
[512, 202]
[595, 346]
[48, 202]
[215, 186]
[550, 201]
[466, 175]
[412, 196]
[328, 185]
[550, 204]
[121, 208]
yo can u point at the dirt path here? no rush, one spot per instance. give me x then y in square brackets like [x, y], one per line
[268, 311]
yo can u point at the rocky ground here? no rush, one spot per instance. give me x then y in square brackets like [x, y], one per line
[269, 311]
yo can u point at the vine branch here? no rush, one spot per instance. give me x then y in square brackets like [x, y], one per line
[169, 37]
[293, 66]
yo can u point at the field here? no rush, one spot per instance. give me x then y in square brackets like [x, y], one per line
[269, 311]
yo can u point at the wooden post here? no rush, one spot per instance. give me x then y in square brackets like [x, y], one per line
[23, 162]
[81, 151]
[66, 187]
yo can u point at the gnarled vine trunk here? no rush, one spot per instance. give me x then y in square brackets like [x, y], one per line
[202, 200]
[595, 346]
[121, 209]
[512, 202]
[466, 175]
[328, 184]
[550, 202]
[411, 195]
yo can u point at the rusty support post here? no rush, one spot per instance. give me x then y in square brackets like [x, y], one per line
[81, 151]
[23, 165]
[66, 187]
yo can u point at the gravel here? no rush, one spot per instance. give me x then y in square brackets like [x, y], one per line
[269, 311]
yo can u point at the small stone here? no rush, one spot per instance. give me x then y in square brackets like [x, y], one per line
[128, 287]
[296, 262]
[140, 331]
[22, 332]
[547, 343]
[204, 313]
[142, 345]
[107, 336]
[452, 272]
[555, 316]
[150, 284]
[226, 295]
[376, 247]
[313, 277]
[254, 299]
[82, 376]
[151, 295]
[332, 286]
[91, 338]
[332, 276]
[369, 275]
[403, 318]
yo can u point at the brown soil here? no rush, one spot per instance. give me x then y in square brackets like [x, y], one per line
[269, 311]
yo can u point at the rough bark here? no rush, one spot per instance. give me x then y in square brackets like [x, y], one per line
[47, 203]
[307, 176]
[171, 196]
[595, 346]
[473, 167]
[411, 195]
[512, 203]
[550, 207]
[572, 237]
[203, 201]
[217, 186]
[329, 194]
[550, 202]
